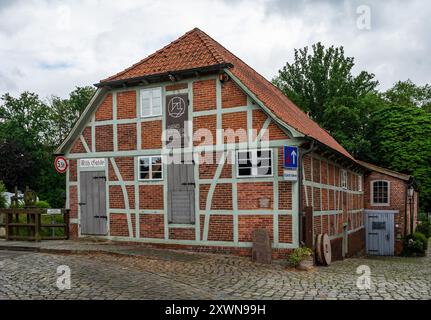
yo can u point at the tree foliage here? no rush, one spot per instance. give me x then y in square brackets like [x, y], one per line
[30, 130]
[391, 129]
[322, 84]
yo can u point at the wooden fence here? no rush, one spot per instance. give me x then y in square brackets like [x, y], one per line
[27, 224]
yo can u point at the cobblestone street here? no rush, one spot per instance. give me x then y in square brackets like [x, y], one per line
[164, 274]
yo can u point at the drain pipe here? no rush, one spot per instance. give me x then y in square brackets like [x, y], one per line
[312, 148]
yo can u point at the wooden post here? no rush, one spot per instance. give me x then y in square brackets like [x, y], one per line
[66, 215]
[6, 221]
[308, 227]
[37, 217]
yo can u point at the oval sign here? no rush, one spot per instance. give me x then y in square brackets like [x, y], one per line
[60, 164]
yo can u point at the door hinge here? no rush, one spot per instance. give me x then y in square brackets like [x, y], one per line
[188, 184]
[101, 217]
[82, 203]
[104, 178]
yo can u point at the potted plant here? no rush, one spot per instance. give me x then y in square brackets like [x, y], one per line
[301, 258]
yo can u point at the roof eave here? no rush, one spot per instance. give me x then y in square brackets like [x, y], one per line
[164, 76]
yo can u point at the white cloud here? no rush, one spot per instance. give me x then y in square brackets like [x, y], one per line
[50, 46]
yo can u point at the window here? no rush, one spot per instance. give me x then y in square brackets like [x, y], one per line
[343, 179]
[150, 168]
[151, 102]
[254, 163]
[359, 183]
[380, 192]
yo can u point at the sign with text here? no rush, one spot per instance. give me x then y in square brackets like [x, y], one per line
[176, 117]
[60, 164]
[92, 163]
[290, 157]
[290, 175]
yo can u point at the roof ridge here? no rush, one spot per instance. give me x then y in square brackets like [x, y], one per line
[151, 55]
[207, 41]
[278, 90]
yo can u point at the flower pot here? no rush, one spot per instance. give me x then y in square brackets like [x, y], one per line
[306, 264]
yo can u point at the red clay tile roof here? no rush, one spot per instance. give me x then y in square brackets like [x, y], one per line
[391, 173]
[196, 49]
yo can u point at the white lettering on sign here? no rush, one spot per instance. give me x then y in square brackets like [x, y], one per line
[53, 211]
[92, 163]
[290, 175]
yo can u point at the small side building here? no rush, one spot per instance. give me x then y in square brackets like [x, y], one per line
[391, 209]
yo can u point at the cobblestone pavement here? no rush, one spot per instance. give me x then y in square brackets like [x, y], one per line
[179, 275]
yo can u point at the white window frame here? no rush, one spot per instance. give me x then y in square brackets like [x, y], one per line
[152, 114]
[151, 168]
[372, 193]
[254, 164]
[344, 178]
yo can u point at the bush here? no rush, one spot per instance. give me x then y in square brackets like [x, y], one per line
[415, 245]
[3, 203]
[422, 238]
[43, 205]
[298, 255]
[425, 228]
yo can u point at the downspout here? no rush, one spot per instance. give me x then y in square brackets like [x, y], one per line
[312, 148]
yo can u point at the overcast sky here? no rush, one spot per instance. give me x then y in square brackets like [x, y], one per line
[50, 47]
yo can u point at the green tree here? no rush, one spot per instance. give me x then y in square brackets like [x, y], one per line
[65, 112]
[322, 84]
[402, 141]
[409, 94]
[30, 130]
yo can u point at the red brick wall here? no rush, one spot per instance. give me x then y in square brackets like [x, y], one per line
[126, 136]
[116, 198]
[248, 223]
[397, 201]
[126, 105]
[182, 233]
[104, 112]
[152, 226]
[118, 226]
[104, 138]
[151, 134]
[249, 195]
[323, 172]
[285, 228]
[232, 95]
[151, 197]
[73, 170]
[177, 86]
[204, 95]
[220, 228]
[73, 202]
[125, 166]
[236, 122]
[204, 122]
[222, 196]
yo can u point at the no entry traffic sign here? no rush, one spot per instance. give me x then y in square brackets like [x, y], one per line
[60, 164]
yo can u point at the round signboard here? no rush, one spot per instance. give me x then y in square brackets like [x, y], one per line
[60, 164]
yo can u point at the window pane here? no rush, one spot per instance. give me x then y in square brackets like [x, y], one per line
[264, 154]
[264, 171]
[146, 94]
[144, 175]
[146, 108]
[264, 163]
[244, 172]
[157, 175]
[157, 93]
[156, 163]
[244, 155]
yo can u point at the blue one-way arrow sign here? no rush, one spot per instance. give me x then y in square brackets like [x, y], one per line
[291, 157]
